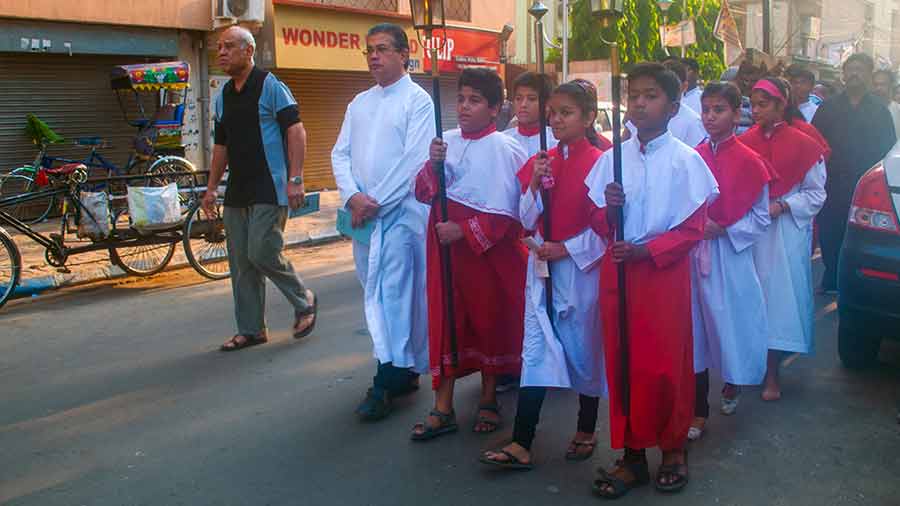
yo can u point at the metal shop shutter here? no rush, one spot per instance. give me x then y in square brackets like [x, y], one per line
[323, 98]
[71, 94]
[448, 96]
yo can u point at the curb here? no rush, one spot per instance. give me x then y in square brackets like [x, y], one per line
[32, 287]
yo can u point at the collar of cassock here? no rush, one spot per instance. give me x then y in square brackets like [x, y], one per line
[529, 131]
[474, 136]
[574, 148]
[716, 146]
[391, 88]
[655, 144]
[777, 126]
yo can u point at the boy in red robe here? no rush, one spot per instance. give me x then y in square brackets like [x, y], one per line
[666, 187]
[487, 258]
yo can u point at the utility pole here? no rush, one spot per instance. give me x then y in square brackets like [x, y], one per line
[767, 26]
[565, 40]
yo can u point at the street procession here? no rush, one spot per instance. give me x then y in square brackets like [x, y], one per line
[450, 251]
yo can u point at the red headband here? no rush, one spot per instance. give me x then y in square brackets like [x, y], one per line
[770, 88]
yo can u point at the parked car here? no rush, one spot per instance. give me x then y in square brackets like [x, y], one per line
[869, 268]
[603, 124]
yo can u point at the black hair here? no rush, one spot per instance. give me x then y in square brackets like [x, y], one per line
[485, 81]
[724, 90]
[540, 83]
[891, 75]
[800, 71]
[691, 64]
[861, 58]
[584, 94]
[665, 78]
[791, 113]
[678, 68]
[401, 41]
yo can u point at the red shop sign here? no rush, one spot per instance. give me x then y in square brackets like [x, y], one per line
[464, 48]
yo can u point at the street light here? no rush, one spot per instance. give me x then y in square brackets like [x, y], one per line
[428, 16]
[609, 12]
[664, 7]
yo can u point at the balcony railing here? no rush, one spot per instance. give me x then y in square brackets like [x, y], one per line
[375, 5]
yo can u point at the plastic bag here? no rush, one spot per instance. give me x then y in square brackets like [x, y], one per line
[93, 220]
[154, 208]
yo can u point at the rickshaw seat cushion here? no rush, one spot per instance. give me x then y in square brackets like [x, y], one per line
[90, 141]
[66, 169]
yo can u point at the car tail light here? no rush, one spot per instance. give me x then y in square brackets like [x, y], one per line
[872, 207]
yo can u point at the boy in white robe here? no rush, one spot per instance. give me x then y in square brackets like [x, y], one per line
[729, 310]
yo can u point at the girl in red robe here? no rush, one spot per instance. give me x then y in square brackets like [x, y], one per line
[487, 258]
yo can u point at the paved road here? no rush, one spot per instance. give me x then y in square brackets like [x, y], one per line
[113, 395]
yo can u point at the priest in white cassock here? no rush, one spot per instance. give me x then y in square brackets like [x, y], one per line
[382, 144]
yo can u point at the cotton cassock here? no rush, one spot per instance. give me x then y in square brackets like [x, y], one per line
[488, 264]
[530, 140]
[782, 254]
[567, 353]
[729, 312]
[667, 185]
[382, 144]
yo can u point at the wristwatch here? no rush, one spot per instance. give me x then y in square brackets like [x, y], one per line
[296, 180]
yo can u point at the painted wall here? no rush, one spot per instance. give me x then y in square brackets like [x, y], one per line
[487, 14]
[184, 14]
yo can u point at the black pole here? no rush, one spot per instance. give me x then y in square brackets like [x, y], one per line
[625, 378]
[446, 271]
[545, 192]
[767, 26]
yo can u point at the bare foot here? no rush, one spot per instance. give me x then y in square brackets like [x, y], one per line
[771, 390]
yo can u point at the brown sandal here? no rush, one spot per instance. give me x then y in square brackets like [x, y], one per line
[246, 341]
[573, 454]
[306, 322]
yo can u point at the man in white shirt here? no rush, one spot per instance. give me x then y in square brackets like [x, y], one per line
[802, 83]
[883, 83]
[382, 145]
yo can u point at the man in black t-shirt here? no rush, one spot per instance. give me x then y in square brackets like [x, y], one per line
[259, 136]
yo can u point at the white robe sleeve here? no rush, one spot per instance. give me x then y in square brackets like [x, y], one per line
[391, 190]
[745, 232]
[341, 161]
[530, 209]
[806, 203]
[586, 248]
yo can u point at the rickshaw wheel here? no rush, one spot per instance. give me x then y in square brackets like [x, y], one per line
[204, 242]
[144, 260]
[10, 266]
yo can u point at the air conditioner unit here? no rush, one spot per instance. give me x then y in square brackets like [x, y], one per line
[228, 12]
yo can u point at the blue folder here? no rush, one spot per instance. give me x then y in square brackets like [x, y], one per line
[362, 234]
[310, 205]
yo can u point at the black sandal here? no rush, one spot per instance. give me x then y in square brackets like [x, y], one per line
[637, 467]
[493, 425]
[246, 341]
[678, 472]
[447, 425]
[512, 463]
[311, 297]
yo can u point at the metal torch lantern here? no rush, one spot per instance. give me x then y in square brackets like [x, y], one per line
[428, 16]
[609, 12]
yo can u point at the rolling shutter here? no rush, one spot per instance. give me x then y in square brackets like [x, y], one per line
[71, 94]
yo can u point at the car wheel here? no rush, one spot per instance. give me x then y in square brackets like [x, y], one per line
[857, 347]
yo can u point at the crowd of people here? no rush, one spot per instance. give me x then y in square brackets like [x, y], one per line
[721, 187]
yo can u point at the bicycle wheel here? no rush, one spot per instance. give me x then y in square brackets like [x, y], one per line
[144, 260]
[20, 182]
[163, 167]
[10, 267]
[204, 242]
